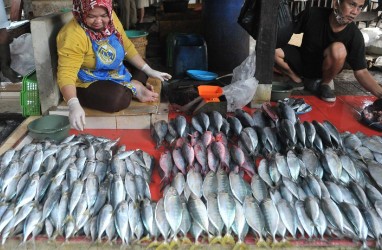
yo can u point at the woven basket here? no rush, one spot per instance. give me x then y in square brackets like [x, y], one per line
[140, 44]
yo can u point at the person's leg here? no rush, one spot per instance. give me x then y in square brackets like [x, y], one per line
[5, 58]
[282, 65]
[105, 96]
[288, 61]
[334, 59]
[145, 93]
[108, 96]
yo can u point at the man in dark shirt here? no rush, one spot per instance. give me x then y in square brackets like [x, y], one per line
[330, 38]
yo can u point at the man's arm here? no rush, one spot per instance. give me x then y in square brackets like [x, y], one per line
[364, 77]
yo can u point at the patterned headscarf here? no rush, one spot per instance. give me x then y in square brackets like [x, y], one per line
[81, 9]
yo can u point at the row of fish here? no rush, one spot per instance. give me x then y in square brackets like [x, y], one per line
[309, 205]
[85, 185]
[257, 134]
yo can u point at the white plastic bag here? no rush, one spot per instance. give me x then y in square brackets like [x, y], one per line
[22, 58]
[370, 35]
[243, 84]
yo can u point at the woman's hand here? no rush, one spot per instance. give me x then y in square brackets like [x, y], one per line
[154, 73]
[76, 114]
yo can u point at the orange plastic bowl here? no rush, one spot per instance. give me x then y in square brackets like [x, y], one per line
[209, 92]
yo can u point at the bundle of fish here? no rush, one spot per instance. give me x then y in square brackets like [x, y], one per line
[85, 185]
[310, 178]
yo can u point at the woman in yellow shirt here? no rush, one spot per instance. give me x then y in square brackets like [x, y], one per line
[91, 49]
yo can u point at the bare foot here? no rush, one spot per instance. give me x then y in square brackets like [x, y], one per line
[145, 94]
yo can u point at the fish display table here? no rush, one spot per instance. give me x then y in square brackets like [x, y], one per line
[342, 114]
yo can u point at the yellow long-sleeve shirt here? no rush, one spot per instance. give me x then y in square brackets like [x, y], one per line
[75, 51]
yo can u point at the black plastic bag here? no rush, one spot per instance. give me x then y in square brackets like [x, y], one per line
[249, 19]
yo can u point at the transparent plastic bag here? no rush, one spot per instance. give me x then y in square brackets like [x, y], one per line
[243, 84]
[22, 58]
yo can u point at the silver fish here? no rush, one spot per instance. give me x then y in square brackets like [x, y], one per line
[195, 182]
[214, 216]
[263, 170]
[161, 221]
[216, 120]
[122, 221]
[30, 222]
[287, 216]
[173, 210]
[282, 165]
[235, 125]
[271, 217]
[209, 184]
[148, 217]
[259, 188]
[29, 192]
[238, 186]
[198, 212]
[293, 165]
[356, 219]
[310, 132]
[333, 213]
[227, 209]
[104, 218]
[304, 219]
[254, 216]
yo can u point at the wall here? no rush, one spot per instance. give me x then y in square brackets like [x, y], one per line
[45, 7]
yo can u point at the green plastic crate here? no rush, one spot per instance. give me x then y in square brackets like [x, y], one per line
[29, 97]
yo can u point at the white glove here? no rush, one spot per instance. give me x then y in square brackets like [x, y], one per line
[76, 114]
[154, 73]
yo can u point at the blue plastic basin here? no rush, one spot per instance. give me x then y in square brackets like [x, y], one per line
[201, 75]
